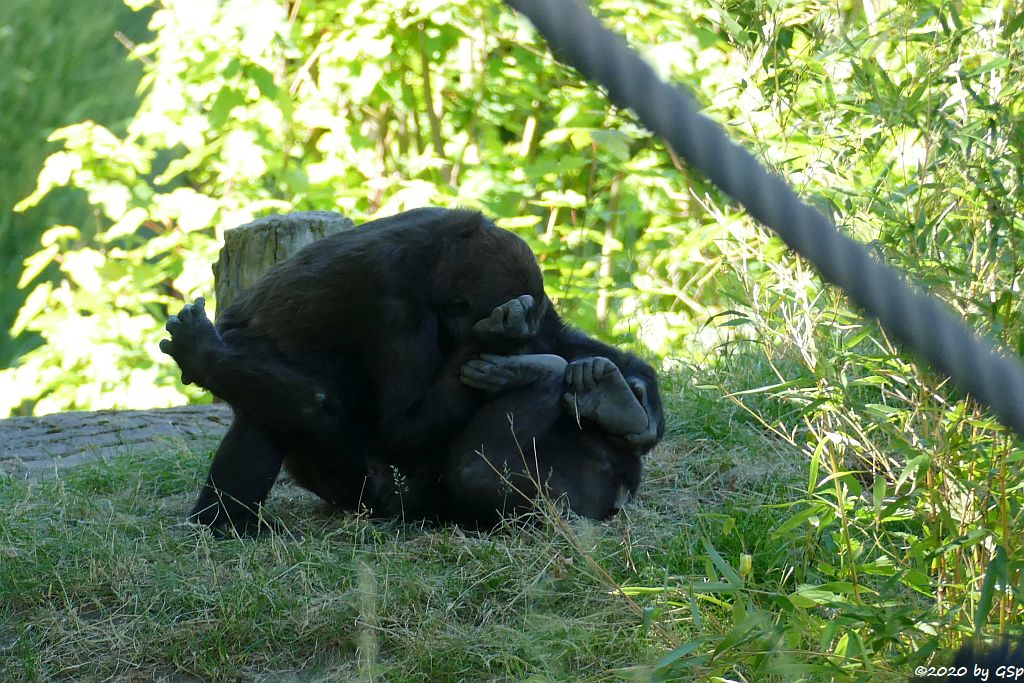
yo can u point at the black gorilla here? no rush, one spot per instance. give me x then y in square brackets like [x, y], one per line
[415, 367]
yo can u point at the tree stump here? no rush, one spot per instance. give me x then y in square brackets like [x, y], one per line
[251, 249]
[30, 446]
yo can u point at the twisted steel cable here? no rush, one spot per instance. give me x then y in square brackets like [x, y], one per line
[910, 316]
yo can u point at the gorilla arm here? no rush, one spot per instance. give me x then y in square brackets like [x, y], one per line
[418, 408]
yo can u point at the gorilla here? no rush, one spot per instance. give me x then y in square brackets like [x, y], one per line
[414, 367]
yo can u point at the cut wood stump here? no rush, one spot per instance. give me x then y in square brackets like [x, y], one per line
[30, 446]
[251, 249]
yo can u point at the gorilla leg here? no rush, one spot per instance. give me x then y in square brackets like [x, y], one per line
[522, 440]
[330, 463]
[245, 467]
[243, 372]
[313, 417]
[493, 466]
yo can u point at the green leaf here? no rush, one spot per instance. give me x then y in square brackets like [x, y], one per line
[793, 522]
[997, 63]
[616, 142]
[741, 633]
[518, 222]
[712, 587]
[83, 268]
[647, 620]
[227, 99]
[810, 596]
[731, 25]
[57, 170]
[995, 574]
[1013, 25]
[878, 495]
[56, 233]
[128, 224]
[815, 466]
[194, 159]
[36, 263]
[35, 303]
[723, 567]
[913, 466]
[882, 410]
[680, 652]
[919, 581]
[263, 79]
[568, 199]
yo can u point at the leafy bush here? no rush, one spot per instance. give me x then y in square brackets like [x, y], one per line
[902, 119]
[61, 64]
[356, 106]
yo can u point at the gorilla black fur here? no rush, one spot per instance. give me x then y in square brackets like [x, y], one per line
[415, 367]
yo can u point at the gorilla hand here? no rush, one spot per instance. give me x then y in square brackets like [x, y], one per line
[194, 340]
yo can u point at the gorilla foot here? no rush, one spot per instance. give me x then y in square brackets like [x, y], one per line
[512, 321]
[194, 340]
[241, 522]
[596, 390]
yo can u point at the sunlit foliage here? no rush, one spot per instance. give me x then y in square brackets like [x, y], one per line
[903, 120]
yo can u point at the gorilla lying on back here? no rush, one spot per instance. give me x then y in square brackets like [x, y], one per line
[415, 367]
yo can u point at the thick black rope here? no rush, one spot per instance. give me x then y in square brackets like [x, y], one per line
[910, 316]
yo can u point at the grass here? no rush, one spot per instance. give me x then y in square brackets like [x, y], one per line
[752, 554]
[735, 563]
[823, 509]
[102, 580]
